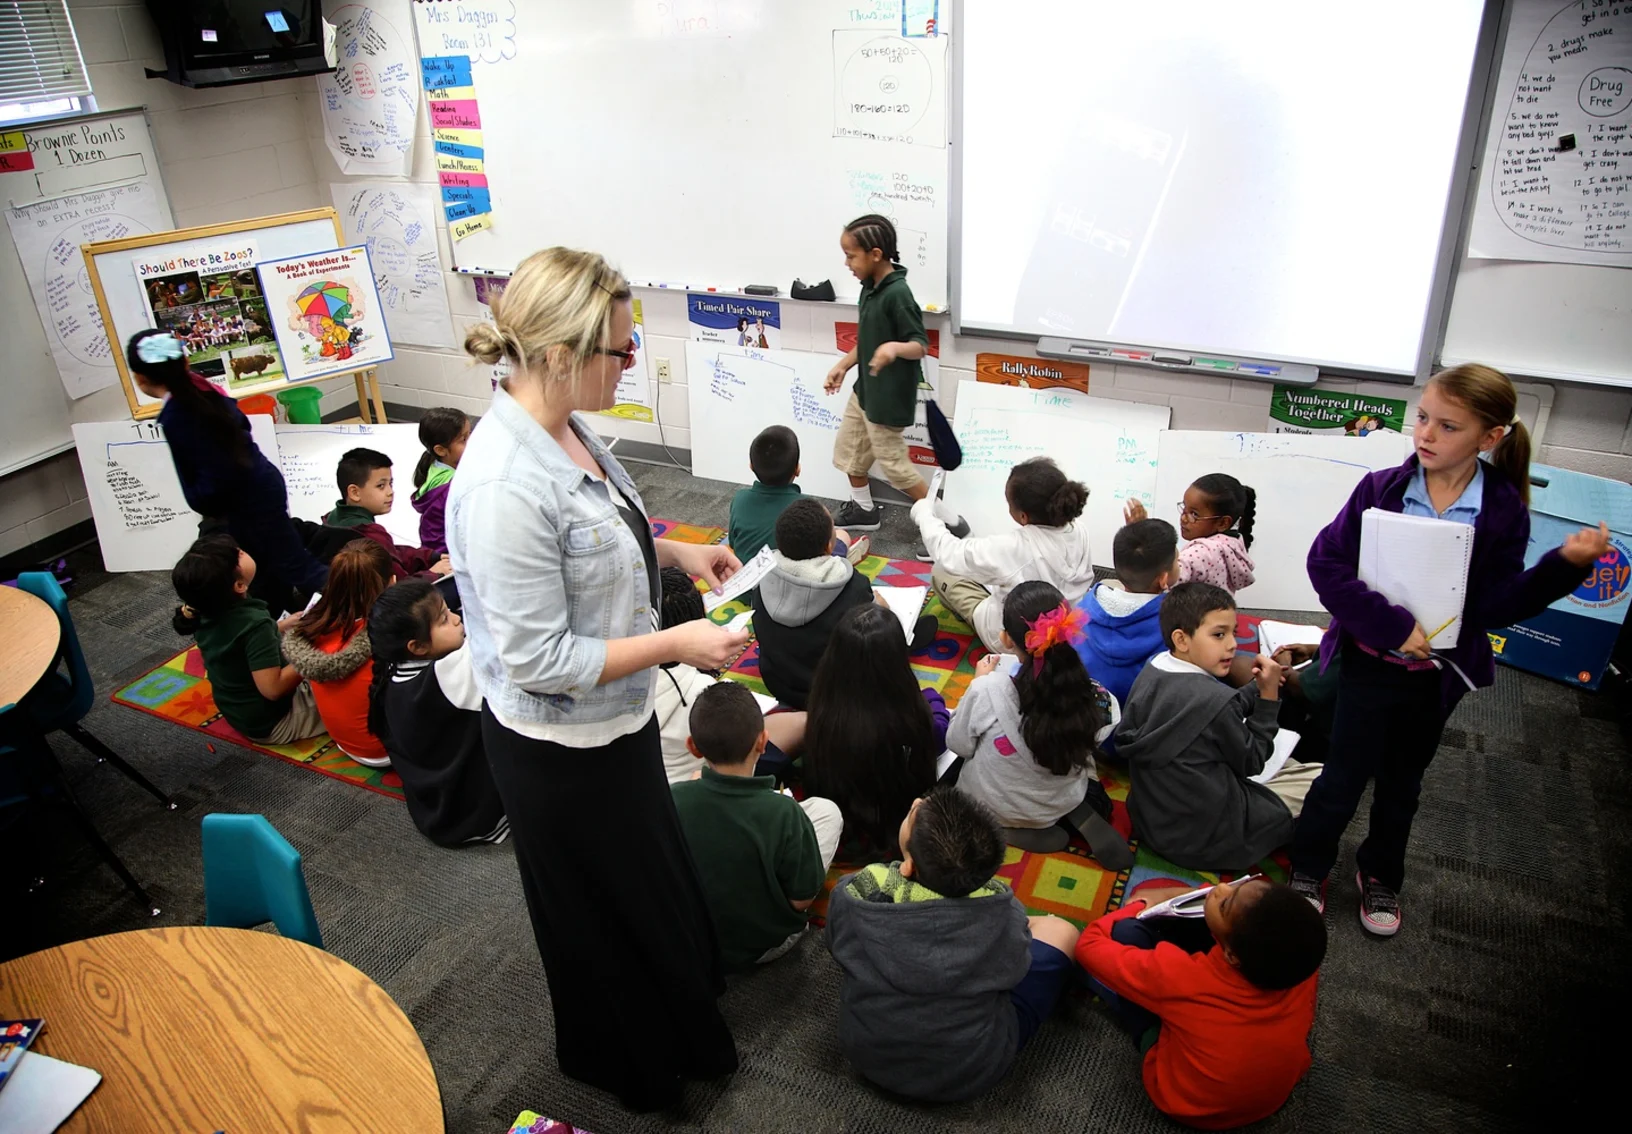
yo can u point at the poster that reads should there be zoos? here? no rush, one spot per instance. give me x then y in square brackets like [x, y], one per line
[326, 312]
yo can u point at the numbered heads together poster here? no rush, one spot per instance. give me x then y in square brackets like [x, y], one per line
[326, 313]
[209, 298]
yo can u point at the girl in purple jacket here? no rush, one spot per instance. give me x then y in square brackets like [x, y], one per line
[1394, 690]
[443, 431]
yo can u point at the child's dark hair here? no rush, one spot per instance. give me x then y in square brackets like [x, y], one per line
[358, 574]
[873, 231]
[439, 425]
[956, 843]
[1045, 494]
[1141, 551]
[1279, 940]
[404, 612]
[204, 578]
[1229, 497]
[356, 466]
[1187, 606]
[869, 740]
[725, 721]
[804, 530]
[682, 601]
[773, 455]
[1059, 709]
[214, 410]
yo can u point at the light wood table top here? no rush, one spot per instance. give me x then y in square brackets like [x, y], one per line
[31, 632]
[198, 1028]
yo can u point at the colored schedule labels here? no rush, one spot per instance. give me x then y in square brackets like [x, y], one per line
[456, 137]
[14, 155]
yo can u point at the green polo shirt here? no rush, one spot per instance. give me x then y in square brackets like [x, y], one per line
[236, 643]
[889, 314]
[754, 512]
[755, 852]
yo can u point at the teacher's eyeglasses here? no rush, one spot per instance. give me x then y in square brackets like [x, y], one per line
[627, 354]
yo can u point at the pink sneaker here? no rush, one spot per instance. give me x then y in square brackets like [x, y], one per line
[1379, 907]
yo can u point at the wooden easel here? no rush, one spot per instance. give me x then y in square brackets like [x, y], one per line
[365, 395]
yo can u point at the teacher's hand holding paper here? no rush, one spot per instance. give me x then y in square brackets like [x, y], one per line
[1586, 546]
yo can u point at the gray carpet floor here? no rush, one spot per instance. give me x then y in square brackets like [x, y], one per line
[1477, 1017]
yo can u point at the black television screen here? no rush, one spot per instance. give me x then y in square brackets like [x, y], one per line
[218, 42]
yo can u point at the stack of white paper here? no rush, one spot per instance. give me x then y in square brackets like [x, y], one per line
[1420, 564]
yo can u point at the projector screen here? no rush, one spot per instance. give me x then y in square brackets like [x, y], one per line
[1260, 177]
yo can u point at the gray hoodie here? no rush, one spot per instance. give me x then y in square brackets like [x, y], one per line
[1191, 742]
[799, 603]
[924, 1009]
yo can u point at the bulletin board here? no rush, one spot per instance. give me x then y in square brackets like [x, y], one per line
[169, 277]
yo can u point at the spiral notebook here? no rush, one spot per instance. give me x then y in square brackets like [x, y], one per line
[1420, 564]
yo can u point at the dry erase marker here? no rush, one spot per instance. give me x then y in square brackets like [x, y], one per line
[1261, 369]
[1132, 355]
[1214, 363]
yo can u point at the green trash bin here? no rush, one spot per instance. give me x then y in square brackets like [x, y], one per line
[303, 405]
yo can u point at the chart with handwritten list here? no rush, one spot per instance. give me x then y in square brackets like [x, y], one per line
[1557, 179]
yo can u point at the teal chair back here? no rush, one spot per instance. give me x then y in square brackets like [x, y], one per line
[79, 694]
[252, 875]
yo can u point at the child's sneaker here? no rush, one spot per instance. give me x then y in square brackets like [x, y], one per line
[959, 528]
[1379, 907]
[859, 549]
[852, 517]
[1312, 890]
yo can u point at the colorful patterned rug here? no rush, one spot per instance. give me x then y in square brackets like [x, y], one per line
[1068, 883]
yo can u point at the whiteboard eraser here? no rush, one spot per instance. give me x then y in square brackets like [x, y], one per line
[760, 289]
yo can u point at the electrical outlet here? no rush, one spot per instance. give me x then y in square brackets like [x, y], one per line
[664, 374]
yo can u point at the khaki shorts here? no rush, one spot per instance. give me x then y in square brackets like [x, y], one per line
[860, 442]
[301, 721]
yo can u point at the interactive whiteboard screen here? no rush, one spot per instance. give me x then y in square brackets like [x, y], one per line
[1262, 177]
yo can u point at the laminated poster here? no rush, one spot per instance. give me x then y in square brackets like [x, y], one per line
[326, 312]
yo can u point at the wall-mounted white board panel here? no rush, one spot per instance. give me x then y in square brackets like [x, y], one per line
[1266, 179]
[736, 392]
[1301, 481]
[309, 455]
[1108, 445]
[710, 143]
[142, 519]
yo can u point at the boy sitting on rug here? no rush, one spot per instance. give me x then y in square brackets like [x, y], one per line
[802, 599]
[1220, 1005]
[774, 457]
[1124, 629]
[366, 493]
[762, 858]
[1192, 743]
[945, 977]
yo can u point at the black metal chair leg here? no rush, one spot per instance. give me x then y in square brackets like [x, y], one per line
[103, 753]
[65, 798]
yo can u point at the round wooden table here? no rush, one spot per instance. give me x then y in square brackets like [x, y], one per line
[199, 1028]
[31, 633]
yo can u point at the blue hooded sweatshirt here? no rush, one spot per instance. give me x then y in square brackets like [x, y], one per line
[1118, 646]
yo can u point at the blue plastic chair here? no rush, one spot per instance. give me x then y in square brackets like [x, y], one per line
[60, 701]
[252, 875]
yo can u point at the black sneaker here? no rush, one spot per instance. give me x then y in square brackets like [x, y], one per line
[1311, 889]
[1379, 907]
[923, 632]
[852, 517]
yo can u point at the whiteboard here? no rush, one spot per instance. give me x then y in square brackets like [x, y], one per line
[710, 143]
[71, 155]
[1268, 179]
[309, 455]
[142, 519]
[1302, 481]
[125, 306]
[734, 393]
[1108, 445]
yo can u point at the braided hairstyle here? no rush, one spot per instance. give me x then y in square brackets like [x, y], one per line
[874, 231]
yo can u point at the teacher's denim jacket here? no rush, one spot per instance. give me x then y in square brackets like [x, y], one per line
[547, 572]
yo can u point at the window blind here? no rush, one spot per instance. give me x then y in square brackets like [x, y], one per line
[39, 56]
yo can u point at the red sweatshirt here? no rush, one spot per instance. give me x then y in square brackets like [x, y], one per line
[1229, 1052]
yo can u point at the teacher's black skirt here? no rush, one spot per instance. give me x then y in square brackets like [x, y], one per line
[624, 931]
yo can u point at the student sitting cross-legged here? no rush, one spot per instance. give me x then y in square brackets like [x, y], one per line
[774, 457]
[761, 857]
[1220, 1005]
[945, 977]
[1192, 742]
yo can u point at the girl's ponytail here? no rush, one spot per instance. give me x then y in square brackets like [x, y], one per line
[1490, 396]
[401, 614]
[203, 578]
[439, 425]
[1059, 707]
[162, 361]
[1249, 510]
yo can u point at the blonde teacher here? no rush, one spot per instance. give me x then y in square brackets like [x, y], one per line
[558, 571]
